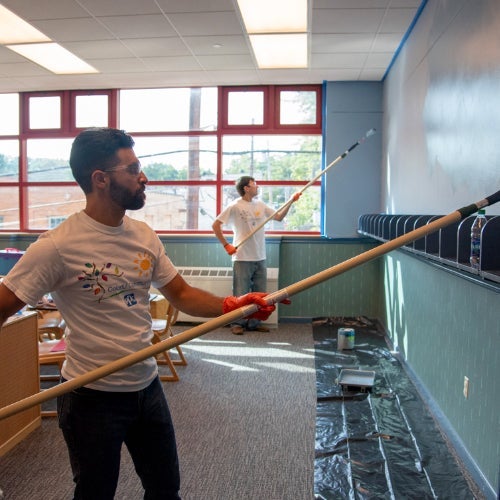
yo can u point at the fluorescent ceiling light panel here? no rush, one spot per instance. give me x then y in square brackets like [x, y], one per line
[13, 29]
[53, 57]
[274, 16]
[280, 51]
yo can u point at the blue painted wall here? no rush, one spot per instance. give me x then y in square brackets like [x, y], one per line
[352, 186]
[440, 152]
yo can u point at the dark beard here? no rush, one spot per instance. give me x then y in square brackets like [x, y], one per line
[125, 198]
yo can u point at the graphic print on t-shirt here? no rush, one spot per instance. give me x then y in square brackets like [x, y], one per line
[104, 282]
[249, 216]
[144, 263]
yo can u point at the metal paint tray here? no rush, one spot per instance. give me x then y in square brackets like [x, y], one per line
[356, 380]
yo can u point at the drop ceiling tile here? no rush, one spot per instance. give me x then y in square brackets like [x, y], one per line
[119, 8]
[346, 20]
[350, 4]
[176, 6]
[226, 62]
[9, 56]
[101, 49]
[23, 69]
[241, 77]
[124, 65]
[378, 60]
[147, 26]
[157, 47]
[54, 9]
[171, 63]
[372, 74]
[70, 30]
[387, 42]
[338, 60]
[206, 23]
[346, 42]
[397, 20]
[205, 45]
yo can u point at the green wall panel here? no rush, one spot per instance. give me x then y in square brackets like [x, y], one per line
[449, 327]
[200, 252]
[354, 293]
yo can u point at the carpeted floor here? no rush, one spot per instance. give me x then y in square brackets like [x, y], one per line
[244, 411]
[262, 417]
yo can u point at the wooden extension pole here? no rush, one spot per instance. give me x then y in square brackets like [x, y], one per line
[272, 298]
[310, 183]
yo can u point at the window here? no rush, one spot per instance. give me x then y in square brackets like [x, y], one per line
[91, 110]
[177, 158]
[297, 107]
[47, 160]
[282, 151]
[45, 112]
[245, 108]
[54, 221]
[46, 203]
[168, 110]
[277, 159]
[9, 208]
[193, 144]
[9, 161]
[9, 124]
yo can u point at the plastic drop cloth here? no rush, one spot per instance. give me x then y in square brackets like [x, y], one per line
[382, 444]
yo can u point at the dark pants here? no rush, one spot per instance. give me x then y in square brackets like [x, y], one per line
[95, 424]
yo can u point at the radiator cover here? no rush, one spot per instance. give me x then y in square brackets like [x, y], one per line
[219, 281]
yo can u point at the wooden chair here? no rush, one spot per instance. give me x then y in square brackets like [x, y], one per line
[51, 352]
[164, 316]
[51, 325]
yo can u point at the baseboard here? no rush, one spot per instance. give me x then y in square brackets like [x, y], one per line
[295, 319]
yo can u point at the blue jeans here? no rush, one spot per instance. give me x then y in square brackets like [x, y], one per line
[249, 276]
[95, 424]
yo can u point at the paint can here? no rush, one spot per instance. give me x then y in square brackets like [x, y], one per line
[345, 338]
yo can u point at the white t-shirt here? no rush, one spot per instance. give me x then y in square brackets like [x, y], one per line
[243, 217]
[99, 277]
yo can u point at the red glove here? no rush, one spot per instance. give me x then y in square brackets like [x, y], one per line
[296, 197]
[229, 248]
[231, 303]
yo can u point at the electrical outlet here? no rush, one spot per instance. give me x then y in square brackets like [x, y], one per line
[466, 387]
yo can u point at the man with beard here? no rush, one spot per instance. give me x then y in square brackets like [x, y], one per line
[99, 266]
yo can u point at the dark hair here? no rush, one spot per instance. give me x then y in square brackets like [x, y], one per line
[95, 149]
[242, 182]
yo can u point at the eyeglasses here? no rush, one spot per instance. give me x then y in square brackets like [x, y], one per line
[134, 169]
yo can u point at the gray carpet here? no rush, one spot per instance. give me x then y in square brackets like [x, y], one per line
[244, 411]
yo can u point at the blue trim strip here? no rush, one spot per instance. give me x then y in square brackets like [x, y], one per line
[330, 241]
[405, 37]
[279, 240]
[323, 159]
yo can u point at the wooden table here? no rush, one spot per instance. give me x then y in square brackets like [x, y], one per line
[19, 376]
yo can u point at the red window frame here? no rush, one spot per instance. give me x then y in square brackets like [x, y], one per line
[68, 129]
[271, 126]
